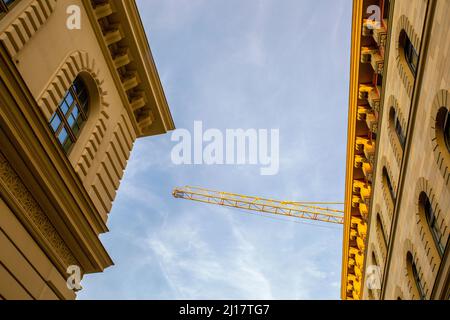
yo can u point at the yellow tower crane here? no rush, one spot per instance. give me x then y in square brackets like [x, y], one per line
[303, 210]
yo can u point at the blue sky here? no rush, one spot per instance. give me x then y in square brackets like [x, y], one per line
[263, 64]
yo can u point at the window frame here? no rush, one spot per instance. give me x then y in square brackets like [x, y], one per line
[417, 280]
[410, 52]
[430, 218]
[397, 127]
[381, 226]
[64, 116]
[389, 184]
[399, 130]
[6, 7]
[446, 130]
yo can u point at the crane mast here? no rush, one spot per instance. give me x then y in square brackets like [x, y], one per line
[303, 210]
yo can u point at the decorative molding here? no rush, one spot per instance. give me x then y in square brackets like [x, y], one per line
[121, 54]
[403, 69]
[76, 63]
[73, 65]
[441, 155]
[33, 212]
[26, 24]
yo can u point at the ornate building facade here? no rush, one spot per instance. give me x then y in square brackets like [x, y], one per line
[78, 86]
[397, 196]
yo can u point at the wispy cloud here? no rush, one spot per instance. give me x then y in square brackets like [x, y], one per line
[236, 64]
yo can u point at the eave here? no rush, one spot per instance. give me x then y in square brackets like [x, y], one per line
[353, 91]
[122, 38]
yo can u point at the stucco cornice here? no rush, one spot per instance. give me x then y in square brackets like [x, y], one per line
[122, 38]
[353, 99]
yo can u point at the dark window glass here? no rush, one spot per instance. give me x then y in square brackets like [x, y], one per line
[70, 115]
[399, 131]
[447, 130]
[417, 280]
[389, 184]
[411, 55]
[383, 234]
[415, 275]
[432, 223]
[5, 5]
[386, 9]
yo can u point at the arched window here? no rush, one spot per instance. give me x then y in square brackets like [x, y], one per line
[397, 126]
[443, 126]
[410, 53]
[412, 269]
[428, 211]
[71, 114]
[388, 182]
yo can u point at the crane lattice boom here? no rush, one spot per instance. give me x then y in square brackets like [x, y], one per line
[302, 210]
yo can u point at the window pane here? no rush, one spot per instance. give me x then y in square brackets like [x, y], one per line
[80, 121]
[418, 282]
[64, 107]
[63, 135]
[447, 131]
[83, 97]
[55, 122]
[75, 129]
[69, 98]
[85, 107]
[71, 120]
[78, 85]
[67, 144]
[75, 111]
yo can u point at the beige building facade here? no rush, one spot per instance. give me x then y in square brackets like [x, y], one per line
[398, 159]
[78, 87]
